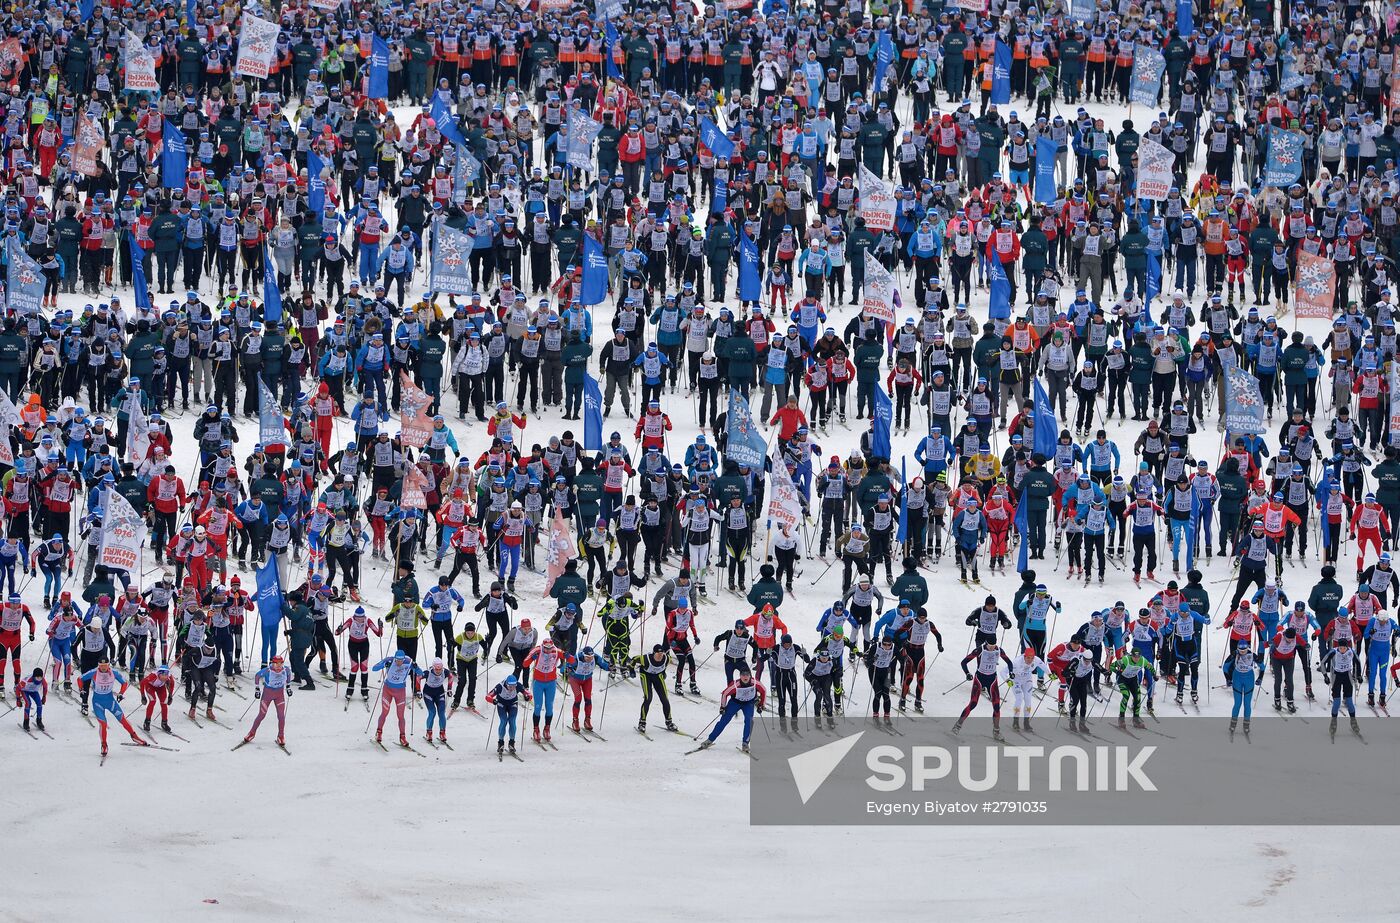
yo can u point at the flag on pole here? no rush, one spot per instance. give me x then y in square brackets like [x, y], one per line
[595, 272]
[784, 503]
[1023, 527]
[716, 140]
[272, 426]
[1047, 428]
[123, 534]
[750, 279]
[592, 414]
[1001, 74]
[902, 535]
[269, 591]
[174, 157]
[378, 69]
[562, 549]
[138, 430]
[883, 422]
[1000, 306]
[1045, 152]
[138, 273]
[272, 294]
[445, 121]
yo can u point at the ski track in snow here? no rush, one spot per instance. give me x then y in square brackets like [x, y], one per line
[625, 827]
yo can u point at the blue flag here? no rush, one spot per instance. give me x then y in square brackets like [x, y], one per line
[315, 184]
[1185, 20]
[592, 414]
[716, 140]
[449, 270]
[1000, 307]
[1148, 68]
[138, 273]
[595, 272]
[174, 157]
[190, 7]
[87, 7]
[884, 420]
[272, 426]
[744, 444]
[445, 121]
[1001, 74]
[272, 295]
[1154, 280]
[750, 281]
[902, 535]
[1045, 169]
[884, 57]
[1284, 166]
[1322, 495]
[613, 70]
[24, 282]
[378, 68]
[1244, 406]
[720, 200]
[270, 592]
[1194, 525]
[1023, 527]
[1047, 428]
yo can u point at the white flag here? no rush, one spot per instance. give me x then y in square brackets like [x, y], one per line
[257, 46]
[1155, 163]
[784, 503]
[9, 413]
[877, 201]
[878, 300]
[123, 534]
[138, 431]
[140, 65]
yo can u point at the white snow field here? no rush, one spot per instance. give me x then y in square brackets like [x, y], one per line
[627, 829]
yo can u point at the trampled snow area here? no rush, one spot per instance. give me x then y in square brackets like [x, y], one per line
[629, 827]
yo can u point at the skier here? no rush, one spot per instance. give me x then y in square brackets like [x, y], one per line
[34, 693]
[653, 669]
[107, 687]
[880, 664]
[1239, 669]
[471, 652]
[1340, 660]
[987, 669]
[742, 695]
[915, 663]
[357, 647]
[1380, 638]
[12, 614]
[436, 684]
[580, 668]
[543, 664]
[505, 695]
[1186, 650]
[1132, 671]
[272, 686]
[399, 670]
[1020, 676]
[158, 688]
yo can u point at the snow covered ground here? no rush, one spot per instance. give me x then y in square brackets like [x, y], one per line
[627, 827]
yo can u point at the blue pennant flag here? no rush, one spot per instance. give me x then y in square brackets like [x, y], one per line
[744, 444]
[1244, 407]
[138, 273]
[720, 200]
[1045, 169]
[613, 38]
[902, 535]
[1047, 428]
[595, 272]
[881, 425]
[174, 157]
[1023, 527]
[1000, 307]
[750, 277]
[272, 294]
[1148, 68]
[592, 414]
[87, 7]
[716, 140]
[1001, 74]
[378, 68]
[1185, 20]
[269, 592]
[1154, 281]
[884, 57]
[445, 121]
[190, 7]
[315, 184]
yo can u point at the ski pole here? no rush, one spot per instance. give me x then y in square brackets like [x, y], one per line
[707, 726]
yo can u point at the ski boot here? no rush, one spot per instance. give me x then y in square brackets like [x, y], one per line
[510, 746]
[574, 727]
[546, 732]
[247, 738]
[1179, 694]
[500, 747]
[337, 676]
[403, 741]
[322, 668]
[782, 724]
[1062, 709]
[1278, 704]
[25, 725]
[694, 689]
[1233, 722]
[1382, 700]
[1016, 722]
[1370, 700]
[1355, 725]
[1026, 725]
[588, 724]
[281, 741]
[671, 725]
[1332, 727]
[957, 726]
[903, 703]
[678, 690]
[1292, 709]
[190, 714]
[642, 726]
[1138, 722]
[1307, 691]
[535, 734]
[1122, 722]
[39, 723]
[164, 726]
[1195, 697]
[918, 705]
[1246, 727]
[706, 744]
[145, 725]
[830, 723]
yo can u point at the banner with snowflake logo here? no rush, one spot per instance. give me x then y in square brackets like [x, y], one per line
[1284, 166]
[562, 549]
[449, 273]
[1244, 406]
[1316, 287]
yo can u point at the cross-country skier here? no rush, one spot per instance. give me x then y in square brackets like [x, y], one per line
[1021, 676]
[107, 687]
[741, 695]
[1244, 671]
[505, 695]
[580, 669]
[272, 687]
[1341, 661]
[359, 626]
[1132, 671]
[653, 668]
[987, 657]
[399, 670]
[158, 688]
[437, 683]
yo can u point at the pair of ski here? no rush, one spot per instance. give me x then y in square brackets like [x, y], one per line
[435, 743]
[501, 755]
[244, 743]
[402, 746]
[588, 735]
[676, 731]
[748, 753]
[470, 708]
[31, 733]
